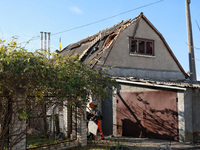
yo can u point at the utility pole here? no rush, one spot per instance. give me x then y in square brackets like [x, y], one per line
[190, 42]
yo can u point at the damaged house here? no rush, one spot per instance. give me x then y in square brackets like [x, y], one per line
[155, 97]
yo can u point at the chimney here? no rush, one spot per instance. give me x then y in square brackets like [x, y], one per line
[49, 44]
[41, 41]
[190, 42]
[45, 40]
[44, 43]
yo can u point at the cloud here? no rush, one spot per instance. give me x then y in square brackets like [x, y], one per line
[76, 10]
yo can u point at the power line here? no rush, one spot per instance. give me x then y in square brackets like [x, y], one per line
[193, 46]
[37, 36]
[197, 25]
[31, 39]
[107, 18]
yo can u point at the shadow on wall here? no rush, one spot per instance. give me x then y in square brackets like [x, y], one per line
[145, 114]
[129, 127]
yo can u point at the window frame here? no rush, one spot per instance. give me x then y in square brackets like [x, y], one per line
[137, 52]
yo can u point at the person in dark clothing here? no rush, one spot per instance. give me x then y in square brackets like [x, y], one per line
[97, 118]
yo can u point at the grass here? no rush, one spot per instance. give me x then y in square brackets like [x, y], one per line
[36, 141]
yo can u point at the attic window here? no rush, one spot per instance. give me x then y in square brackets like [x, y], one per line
[141, 46]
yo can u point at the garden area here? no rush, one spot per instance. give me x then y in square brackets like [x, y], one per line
[36, 93]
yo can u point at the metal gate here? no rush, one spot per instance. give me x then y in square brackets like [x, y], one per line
[151, 114]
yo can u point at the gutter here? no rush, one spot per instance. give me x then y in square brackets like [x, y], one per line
[151, 85]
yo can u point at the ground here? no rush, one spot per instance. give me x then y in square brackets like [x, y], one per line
[127, 143]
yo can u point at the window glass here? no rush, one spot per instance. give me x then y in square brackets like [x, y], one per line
[141, 49]
[149, 48]
[141, 46]
[133, 46]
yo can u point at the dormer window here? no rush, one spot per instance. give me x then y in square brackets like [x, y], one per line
[141, 46]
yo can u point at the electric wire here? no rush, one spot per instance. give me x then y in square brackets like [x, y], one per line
[95, 22]
[107, 18]
[197, 25]
[193, 46]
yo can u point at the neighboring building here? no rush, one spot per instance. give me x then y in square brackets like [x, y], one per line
[155, 98]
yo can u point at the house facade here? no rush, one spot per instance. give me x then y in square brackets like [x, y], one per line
[155, 97]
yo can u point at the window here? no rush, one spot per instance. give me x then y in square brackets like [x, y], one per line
[141, 46]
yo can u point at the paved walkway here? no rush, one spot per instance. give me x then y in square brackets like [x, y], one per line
[151, 144]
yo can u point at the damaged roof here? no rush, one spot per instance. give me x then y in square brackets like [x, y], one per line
[95, 49]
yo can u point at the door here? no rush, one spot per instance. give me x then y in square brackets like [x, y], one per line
[151, 114]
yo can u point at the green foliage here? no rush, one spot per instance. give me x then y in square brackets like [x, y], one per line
[76, 80]
[23, 115]
[37, 79]
[21, 71]
[61, 76]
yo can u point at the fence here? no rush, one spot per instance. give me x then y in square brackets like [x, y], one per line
[47, 130]
[56, 131]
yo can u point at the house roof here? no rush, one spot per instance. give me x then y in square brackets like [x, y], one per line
[96, 48]
[179, 85]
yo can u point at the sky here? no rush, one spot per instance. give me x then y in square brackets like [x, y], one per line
[25, 19]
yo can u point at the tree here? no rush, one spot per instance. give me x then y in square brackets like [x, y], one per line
[30, 80]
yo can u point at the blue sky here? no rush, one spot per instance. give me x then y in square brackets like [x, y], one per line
[24, 19]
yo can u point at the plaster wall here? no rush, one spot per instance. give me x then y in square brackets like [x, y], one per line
[195, 114]
[18, 137]
[81, 127]
[181, 116]
[188, 115]
[162, 61]
[65, 118]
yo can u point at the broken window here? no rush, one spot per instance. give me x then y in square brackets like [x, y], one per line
[149, 48]
[133, 46]
[141, 46]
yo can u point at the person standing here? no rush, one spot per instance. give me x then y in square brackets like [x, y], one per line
[97, 117]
